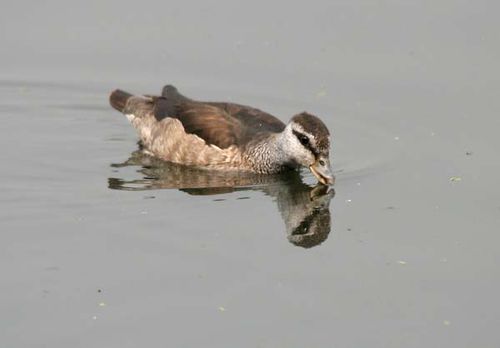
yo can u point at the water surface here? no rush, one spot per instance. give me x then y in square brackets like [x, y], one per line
[103, 247]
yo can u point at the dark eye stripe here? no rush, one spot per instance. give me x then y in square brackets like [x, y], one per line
[307, 144]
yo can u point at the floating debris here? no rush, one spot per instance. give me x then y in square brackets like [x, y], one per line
[455, 179]
[321, 93]
[94, 317]
[446, 323]
[222, 309]
[396, 138]
[402, 262]
[102, 304]
[468, 153]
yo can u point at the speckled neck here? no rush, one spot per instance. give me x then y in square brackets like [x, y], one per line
[268, 154]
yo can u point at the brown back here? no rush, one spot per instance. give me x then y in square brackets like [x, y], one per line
[220, 124]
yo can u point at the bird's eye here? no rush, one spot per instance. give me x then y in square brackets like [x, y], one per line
[321, 162]
[304, 140]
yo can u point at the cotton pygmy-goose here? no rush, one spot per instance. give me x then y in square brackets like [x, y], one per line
[225, 136]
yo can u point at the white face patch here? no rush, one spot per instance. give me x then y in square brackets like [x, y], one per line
[130, 117]
[312, 139]
[298, 128]
[294, 149]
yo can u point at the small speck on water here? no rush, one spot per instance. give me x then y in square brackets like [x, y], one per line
[245, 197]
[446, 323]
[396, 138]
[348, 200]
[390, 207]
[144, 212]
[222, 309]
[149, 197]
[455, 179]
[94, 317]
[402, 262]
[102, 304]
[468, 153]
[219, 200]
[52, 268]
[321, 93]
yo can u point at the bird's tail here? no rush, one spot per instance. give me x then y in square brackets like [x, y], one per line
[118, 99]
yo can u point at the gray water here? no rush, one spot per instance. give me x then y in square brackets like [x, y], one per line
[103, 247]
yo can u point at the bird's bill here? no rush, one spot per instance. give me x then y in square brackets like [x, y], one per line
[322, 171]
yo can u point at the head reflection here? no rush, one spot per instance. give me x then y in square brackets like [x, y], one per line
[304, 208]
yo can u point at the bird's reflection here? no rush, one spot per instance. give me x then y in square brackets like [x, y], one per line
[304, 208]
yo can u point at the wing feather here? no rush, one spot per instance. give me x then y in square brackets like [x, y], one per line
[220, 124]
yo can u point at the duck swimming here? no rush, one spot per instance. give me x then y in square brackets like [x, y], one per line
[225, 136]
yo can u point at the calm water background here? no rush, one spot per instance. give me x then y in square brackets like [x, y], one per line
[411, 93]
